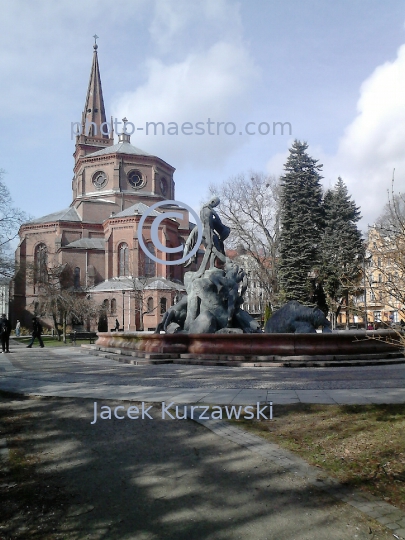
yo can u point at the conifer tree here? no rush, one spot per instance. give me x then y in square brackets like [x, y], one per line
[342, 246]
[302, 224]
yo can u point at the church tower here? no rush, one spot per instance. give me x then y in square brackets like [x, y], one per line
[110, 178]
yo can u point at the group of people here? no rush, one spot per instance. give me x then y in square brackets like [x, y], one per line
[5, 331]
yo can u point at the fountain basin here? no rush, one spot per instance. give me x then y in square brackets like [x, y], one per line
[254, 347]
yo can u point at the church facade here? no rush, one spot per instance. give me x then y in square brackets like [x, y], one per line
[95, 240]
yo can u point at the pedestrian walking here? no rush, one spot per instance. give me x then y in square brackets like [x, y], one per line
[117, 325]
[5, 330]
[18, 329]
[36, 333]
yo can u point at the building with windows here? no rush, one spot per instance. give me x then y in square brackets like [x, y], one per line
[383, 290]
[94, 241]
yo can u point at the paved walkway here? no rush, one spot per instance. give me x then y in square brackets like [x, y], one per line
[175, 480]
[72, 372]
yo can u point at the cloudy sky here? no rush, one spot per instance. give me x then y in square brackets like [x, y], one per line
[334, 70]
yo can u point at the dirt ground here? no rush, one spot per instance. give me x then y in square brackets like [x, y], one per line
[63, 478]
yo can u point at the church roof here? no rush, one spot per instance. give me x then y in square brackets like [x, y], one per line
[128, 284]
[162, 284]
[68, 214]
[138, 208]
[87, 243]
[120, 148]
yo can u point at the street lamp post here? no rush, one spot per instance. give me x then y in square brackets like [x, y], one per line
[365, 288]
[123, 311]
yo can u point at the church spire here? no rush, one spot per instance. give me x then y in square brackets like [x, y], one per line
[94, 122]
[95, 132]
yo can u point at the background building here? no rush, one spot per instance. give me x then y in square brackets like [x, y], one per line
[94, 242]
[383, 293]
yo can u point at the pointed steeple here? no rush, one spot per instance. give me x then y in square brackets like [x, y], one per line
[94, 119]
[95, 132]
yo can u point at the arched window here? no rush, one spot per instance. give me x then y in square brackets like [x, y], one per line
[113, 306]
[123, 260]
[76, 278]
[41, 263]
[150, 304]
[150, 265]
[106, 305]
[163, 306]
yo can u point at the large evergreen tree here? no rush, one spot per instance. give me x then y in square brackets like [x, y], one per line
[302, 223]
[342, 247]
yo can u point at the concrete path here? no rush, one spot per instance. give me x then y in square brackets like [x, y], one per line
[229, 484]
[71, 372]
[158, 479]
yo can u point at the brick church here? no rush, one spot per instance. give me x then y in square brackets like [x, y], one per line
[95, 240]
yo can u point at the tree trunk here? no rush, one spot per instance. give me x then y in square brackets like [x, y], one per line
[64, 327]
[55, 324]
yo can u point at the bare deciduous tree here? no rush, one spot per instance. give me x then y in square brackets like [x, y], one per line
[140, 276]
[58, 299]
[138, 292]
[10, 220]
[250, 207]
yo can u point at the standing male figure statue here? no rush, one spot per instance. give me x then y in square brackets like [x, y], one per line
[213, 237]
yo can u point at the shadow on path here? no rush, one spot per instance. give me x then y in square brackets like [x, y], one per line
[162, 479]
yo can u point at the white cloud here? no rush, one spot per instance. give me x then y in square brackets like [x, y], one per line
[178, 24]
[275, 164]
[211, 81]
[374, 143]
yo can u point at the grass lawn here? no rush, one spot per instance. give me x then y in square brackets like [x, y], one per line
[360, 445]
[51, 342]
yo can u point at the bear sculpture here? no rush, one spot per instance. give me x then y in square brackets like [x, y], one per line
[295, 318]
[175, 314]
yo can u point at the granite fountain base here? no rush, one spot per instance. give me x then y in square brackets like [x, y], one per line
[341, 348]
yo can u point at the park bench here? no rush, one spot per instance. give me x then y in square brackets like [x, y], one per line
[91, 336]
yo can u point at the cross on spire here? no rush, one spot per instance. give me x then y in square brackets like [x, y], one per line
[95, 41]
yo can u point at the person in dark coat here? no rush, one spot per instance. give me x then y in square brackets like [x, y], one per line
[36, 333]
[5, 330]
